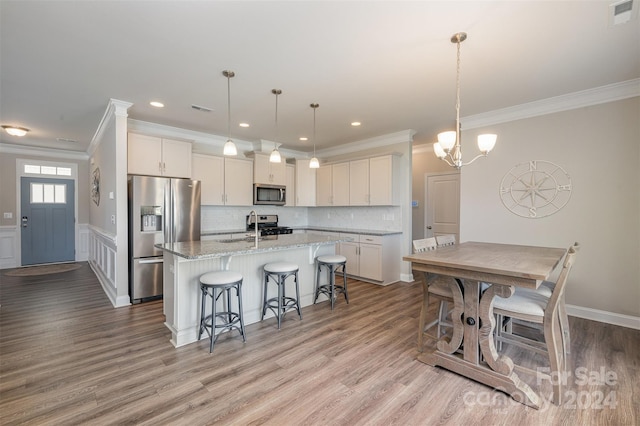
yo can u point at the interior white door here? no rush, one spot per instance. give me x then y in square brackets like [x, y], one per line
[442, 212]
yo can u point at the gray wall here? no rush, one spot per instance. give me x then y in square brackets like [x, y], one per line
[599, 146]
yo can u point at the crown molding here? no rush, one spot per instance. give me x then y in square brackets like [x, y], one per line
[43, 152]
[403, 136]
[584, 98]
[114, 108]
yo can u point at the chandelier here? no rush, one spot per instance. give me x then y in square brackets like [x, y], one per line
[448, 146]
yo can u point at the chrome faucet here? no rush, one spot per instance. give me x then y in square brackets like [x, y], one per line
[255, 226]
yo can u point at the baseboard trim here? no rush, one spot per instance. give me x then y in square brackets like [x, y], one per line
[613, 318]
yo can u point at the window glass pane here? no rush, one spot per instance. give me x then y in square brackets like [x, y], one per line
[48, 170]
[29, 168]
[36, 193]
[64, 171]
[48, 193]
[61, 194]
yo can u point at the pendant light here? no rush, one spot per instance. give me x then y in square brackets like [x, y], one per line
[448, 147]
[275, 154]
[229, 147]
[314, 163]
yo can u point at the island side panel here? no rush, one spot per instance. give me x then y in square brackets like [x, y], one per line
[182, 306]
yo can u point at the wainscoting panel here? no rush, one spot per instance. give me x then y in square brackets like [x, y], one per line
[102, 259]
[8, 247]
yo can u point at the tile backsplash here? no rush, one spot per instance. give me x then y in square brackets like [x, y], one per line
[386, 218]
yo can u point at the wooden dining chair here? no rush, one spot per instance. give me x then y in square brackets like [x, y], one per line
[446, 240]
[530, 306]
[437, 291]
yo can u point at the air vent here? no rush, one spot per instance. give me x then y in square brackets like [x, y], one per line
[622, 12]
[66, 140]
[201, 108]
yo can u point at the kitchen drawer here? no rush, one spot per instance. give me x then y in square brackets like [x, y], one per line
[371, 239]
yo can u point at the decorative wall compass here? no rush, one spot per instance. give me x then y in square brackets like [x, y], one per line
[535, 189]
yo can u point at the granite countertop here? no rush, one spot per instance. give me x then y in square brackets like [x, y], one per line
[313, 228]
[213, 248]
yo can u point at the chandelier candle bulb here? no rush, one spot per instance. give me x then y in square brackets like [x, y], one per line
[486, 142]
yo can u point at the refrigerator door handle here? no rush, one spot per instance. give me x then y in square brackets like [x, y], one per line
[161, 260]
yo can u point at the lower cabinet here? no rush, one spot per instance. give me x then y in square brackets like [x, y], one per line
[372, 258]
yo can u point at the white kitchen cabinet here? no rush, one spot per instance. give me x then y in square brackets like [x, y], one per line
[267, 172]
[305, 184]
[291, 185]
[359, 191]
[224, 181]
[372, 258]
[382, 177]
[371, 181]
[351, 250]
[154, 156]
[323, 186]
[332, 185]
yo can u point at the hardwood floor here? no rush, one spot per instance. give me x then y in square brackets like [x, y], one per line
[68, 357]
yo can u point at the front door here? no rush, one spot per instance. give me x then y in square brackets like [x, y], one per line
[443, 205]
[47, 222]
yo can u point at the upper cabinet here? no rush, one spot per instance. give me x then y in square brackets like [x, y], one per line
[224, 181]
[267, 172]
[366, 182]
[305, 184]
[154, 156]
[371, 181]
[332, 185]
[291, 185]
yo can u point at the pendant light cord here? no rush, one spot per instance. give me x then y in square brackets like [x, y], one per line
[228, 106]
[458, 95]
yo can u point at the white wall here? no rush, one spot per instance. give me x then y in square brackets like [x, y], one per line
[599, 146]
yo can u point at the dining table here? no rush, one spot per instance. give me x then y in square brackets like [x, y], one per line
[477, 272]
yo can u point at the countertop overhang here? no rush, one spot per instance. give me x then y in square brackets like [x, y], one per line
[213, 248]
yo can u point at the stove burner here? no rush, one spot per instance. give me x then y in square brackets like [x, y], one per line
[276, 230]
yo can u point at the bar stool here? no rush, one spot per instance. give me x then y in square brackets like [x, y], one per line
[214, 285]
[333, 263]
[279, 272]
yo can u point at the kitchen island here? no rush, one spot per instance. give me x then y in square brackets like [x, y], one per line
[185, 262]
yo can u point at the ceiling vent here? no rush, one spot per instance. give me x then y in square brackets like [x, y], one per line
[201, 108]
[622, 12]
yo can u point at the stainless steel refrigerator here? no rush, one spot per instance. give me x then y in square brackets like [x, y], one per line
[161, 210]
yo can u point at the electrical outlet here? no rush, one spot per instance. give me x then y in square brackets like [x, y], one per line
[113, 219]
[8, 215]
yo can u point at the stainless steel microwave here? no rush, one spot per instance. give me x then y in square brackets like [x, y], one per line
[275, 195]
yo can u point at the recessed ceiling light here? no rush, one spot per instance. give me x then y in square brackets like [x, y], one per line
[304, 138]
[356, 123]
[244, 124]
[156, 104]
[15, 131]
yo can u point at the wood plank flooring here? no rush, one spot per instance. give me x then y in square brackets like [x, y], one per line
[68, 357]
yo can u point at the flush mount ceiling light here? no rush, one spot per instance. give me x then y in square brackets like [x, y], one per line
[314, 163]
[448, 146]
[356, 123]
[156, 104]
[229, 147]
[275, 154]
[15, 131]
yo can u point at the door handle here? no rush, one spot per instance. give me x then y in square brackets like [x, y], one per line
[151, 261]
[25, 220]
[429, 227]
